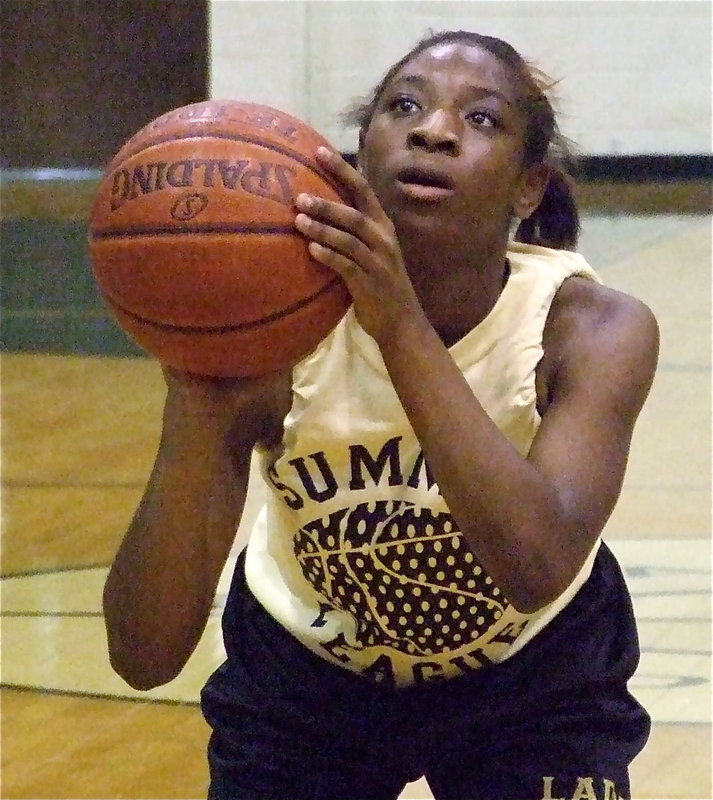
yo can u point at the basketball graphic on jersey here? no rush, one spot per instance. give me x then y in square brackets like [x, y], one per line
[403, 573]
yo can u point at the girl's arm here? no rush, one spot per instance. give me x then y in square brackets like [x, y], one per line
[531, 521]
[161, 586]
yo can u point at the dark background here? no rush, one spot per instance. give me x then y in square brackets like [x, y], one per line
[79, 77]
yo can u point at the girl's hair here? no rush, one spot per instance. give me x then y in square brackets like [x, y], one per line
[555, 222]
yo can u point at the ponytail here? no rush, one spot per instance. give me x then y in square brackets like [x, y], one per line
[555, 222]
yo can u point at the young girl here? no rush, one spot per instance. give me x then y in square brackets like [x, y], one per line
[426, 591]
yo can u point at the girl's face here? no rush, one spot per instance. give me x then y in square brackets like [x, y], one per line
[445, 146]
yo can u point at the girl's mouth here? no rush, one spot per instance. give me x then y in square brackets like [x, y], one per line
[424, 185]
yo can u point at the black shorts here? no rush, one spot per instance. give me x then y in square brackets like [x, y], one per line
[554, 721]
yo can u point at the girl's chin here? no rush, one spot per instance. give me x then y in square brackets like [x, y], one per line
[438, 226]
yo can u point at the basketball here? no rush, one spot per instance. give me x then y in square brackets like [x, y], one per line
[193, 245]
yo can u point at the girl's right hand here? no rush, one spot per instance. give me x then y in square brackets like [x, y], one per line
[217, 406]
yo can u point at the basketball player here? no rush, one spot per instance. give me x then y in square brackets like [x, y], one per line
[426, 591]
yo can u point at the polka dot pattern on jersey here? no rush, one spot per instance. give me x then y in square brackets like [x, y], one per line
[404, 574]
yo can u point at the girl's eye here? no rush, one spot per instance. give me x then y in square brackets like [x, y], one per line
[484, 118]
[403, 104]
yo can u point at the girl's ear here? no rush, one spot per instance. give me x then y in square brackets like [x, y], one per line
[360, 157]
[360, 161]
[531, 190]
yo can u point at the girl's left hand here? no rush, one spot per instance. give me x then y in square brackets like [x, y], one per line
[359, 242]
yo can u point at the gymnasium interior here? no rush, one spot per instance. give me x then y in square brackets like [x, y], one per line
[81, 403]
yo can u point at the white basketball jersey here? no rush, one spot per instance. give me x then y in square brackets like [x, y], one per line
[355, 552]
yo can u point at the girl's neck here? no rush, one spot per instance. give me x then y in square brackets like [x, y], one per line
[456, 293]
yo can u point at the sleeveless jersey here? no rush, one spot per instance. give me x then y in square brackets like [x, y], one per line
[355, 552]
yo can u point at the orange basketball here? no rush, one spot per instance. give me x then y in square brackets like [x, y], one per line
[193, 245]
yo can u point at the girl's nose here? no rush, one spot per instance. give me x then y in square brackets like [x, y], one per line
[439, 131]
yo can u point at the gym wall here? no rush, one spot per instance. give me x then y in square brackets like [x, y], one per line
[633, 77]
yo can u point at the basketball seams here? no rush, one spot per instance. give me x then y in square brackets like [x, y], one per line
[205, 230]
[223, 329]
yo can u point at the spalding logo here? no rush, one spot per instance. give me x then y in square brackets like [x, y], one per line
[261, 178]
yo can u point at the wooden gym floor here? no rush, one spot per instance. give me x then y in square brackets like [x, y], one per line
[78, 439]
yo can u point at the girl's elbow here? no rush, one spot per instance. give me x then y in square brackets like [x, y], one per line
[530, 603]
[537, 587]
[139, 673]
[142, 668]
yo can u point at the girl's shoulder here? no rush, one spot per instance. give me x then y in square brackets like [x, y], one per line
[582, 305]
[599, 330]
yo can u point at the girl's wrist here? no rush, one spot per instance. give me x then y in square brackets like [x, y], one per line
[410, 330]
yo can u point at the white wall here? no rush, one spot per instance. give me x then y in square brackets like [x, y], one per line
[635, 75]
